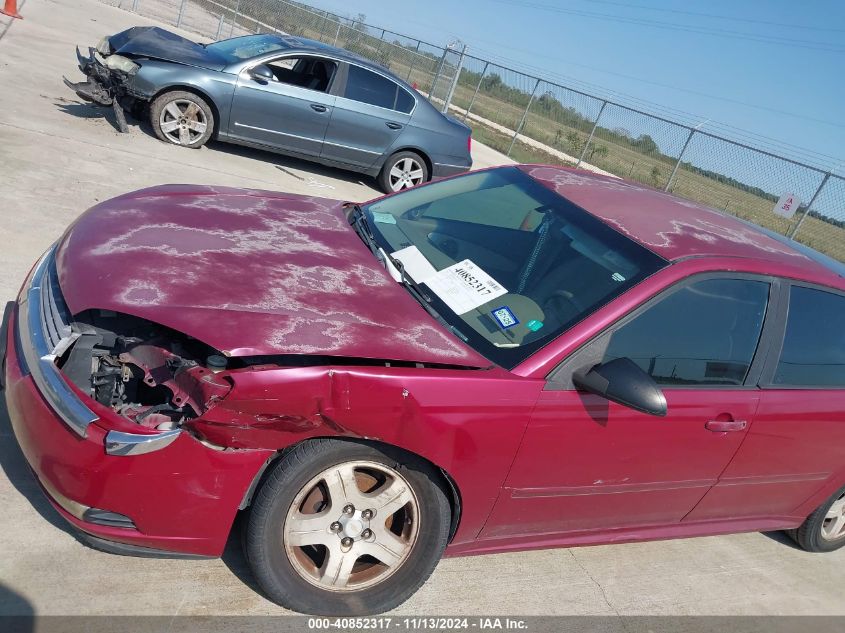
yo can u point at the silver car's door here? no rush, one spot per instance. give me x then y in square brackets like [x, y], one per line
[369, 115]
[291, 110]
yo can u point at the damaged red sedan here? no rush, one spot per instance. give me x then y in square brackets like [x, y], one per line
[516, 358]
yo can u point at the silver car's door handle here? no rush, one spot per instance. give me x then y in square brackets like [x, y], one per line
[318, 108]
[393, 126]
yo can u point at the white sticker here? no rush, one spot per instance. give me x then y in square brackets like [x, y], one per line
[415, 263]
[384, 218]
[464, 287]
[787, 205]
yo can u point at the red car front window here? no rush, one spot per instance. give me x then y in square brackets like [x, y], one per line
[506, 262]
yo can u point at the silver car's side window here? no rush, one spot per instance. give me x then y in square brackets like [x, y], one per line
[312, 73]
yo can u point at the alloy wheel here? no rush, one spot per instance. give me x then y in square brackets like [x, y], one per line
[406, 173]
[833, 527]
[183, 122]
[352, 526]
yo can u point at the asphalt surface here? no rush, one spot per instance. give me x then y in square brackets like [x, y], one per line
[59, 156]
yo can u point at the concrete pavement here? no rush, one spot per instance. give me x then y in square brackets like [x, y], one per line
[59, 156]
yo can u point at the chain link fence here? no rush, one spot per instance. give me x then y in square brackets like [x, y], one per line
[534, 120]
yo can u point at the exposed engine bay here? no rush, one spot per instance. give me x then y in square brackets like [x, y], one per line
[150, 375]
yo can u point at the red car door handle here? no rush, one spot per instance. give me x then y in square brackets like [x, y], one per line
[723, 426]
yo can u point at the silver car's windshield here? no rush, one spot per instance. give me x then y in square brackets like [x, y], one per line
[505, 261]
[247, 47]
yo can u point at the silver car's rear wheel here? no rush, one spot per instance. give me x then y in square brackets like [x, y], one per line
[182, 118]
[405, 173]
[402, 171]
[351, 526]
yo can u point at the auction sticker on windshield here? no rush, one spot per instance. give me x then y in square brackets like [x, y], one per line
[464, 287]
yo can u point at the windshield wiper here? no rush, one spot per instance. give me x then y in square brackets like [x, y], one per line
[359, 222]
[405, 280]
[422, 297]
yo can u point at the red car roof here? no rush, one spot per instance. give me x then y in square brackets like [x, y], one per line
[670, 226]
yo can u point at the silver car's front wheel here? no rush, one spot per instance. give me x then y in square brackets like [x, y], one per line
[402, 171]
[182, 118]
[347, 528]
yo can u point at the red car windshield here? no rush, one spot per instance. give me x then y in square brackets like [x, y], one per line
[507, 263]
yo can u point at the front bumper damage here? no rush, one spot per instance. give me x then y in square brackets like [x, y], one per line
[107, 82]
[144, 493]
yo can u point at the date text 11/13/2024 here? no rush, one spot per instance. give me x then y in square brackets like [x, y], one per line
[418, 624]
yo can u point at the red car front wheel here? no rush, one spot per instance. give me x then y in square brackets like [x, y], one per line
[345, 528]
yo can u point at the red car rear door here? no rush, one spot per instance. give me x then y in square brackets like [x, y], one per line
[589, 464]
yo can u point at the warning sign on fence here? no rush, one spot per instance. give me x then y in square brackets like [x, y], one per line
[787, 205]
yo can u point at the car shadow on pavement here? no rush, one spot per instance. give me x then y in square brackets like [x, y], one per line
[311, 172]
[17, 471]
[17, 614]
[84, 110]
[235, 559]
[783, 538]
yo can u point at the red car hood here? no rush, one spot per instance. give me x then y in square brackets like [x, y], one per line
[250, 273]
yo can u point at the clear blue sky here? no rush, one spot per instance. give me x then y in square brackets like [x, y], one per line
[774, 69]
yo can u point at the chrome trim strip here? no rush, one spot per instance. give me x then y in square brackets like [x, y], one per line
[40, 355]
[126, 444]
[609, 489]
[357, 149]
[261, 129]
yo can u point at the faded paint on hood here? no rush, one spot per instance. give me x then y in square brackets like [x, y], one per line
[250, 273]
[154, 42]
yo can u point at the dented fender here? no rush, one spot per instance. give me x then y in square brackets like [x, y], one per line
[433, 413]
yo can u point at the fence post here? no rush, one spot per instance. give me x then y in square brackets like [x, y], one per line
[477, 88]
[337, 35]
[680, 156]
[592, 133]
[524, 116]
[323, 25]
[809, 206]
[235, 18]
[437, 74]
[413, 61]
[219, 28]
[455, 80]
[135, 6]
[181, 14]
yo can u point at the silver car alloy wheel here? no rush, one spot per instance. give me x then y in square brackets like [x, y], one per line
[406, 173]
[352, 526]
[833, 527]
[183, 122]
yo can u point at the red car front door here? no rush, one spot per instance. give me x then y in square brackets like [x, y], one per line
[589, 464]
[795, 449]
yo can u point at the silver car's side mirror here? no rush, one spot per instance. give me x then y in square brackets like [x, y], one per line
[262, 74]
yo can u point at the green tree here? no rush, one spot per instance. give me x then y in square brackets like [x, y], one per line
[646, 144]
[574, 142]
[655, 175]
